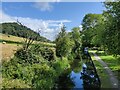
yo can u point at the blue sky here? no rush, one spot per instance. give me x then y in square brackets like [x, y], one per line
[50, 14]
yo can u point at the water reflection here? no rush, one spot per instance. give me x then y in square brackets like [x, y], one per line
[70, 80]
[81, 76]
[84, 79]
[75, 77]
[89, 76]
[64, 81]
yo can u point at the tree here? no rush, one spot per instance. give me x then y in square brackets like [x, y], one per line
[104, 30]
[92, 29]
[63, 44]
[76, 36]
[29, 38]
[112, 27]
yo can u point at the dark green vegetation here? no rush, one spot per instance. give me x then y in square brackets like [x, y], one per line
[69, 44]
[19, 30]
[40, 67]
[37, 68]
[12, 42]
[21, 43]
[103, 30]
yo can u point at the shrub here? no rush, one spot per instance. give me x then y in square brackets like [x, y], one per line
[29, 56]
[33, 68]
[35, 75]
[61, 65]
[14, 83]
[44, 76]
[47, 54]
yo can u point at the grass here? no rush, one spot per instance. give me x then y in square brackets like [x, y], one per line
[13, 43]
[105, 81]
[112, 62]
[8, 50]
[10, 42]
[11, 38]
[19, 40]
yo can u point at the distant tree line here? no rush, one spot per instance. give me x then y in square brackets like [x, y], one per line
[20, 31]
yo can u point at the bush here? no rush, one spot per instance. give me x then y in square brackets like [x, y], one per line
[35, 75]
[44, 76]
[47, 54]
[60, 65]
[33, 69]
[14, 83]
[29, 56]
[71, 57]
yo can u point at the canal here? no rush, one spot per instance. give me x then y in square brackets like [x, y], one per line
[82, 75]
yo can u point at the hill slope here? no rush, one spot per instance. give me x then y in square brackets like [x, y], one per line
[20, 31]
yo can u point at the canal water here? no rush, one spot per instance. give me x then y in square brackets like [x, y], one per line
[71, 78]
[75, 77]
[81, 75]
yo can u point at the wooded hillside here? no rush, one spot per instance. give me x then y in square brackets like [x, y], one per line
[20, 31]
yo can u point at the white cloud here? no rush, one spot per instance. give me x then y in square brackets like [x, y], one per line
[49, 28]
[5, 18]
[57, 21]
[43, 6]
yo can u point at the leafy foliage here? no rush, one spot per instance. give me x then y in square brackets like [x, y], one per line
[92, 29]
[76, 37]
[69, 44]
[103, 30]
[112, 27]
[14, 83]
[63, 44]
[34, 68]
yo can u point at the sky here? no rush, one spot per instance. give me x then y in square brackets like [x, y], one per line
[48, 16]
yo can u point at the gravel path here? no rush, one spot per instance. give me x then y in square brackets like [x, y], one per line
[113, 79]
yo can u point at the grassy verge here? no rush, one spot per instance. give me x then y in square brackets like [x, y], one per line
[112, 62]
[105, 82]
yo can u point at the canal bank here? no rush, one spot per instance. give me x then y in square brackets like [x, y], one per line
[108, 80]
